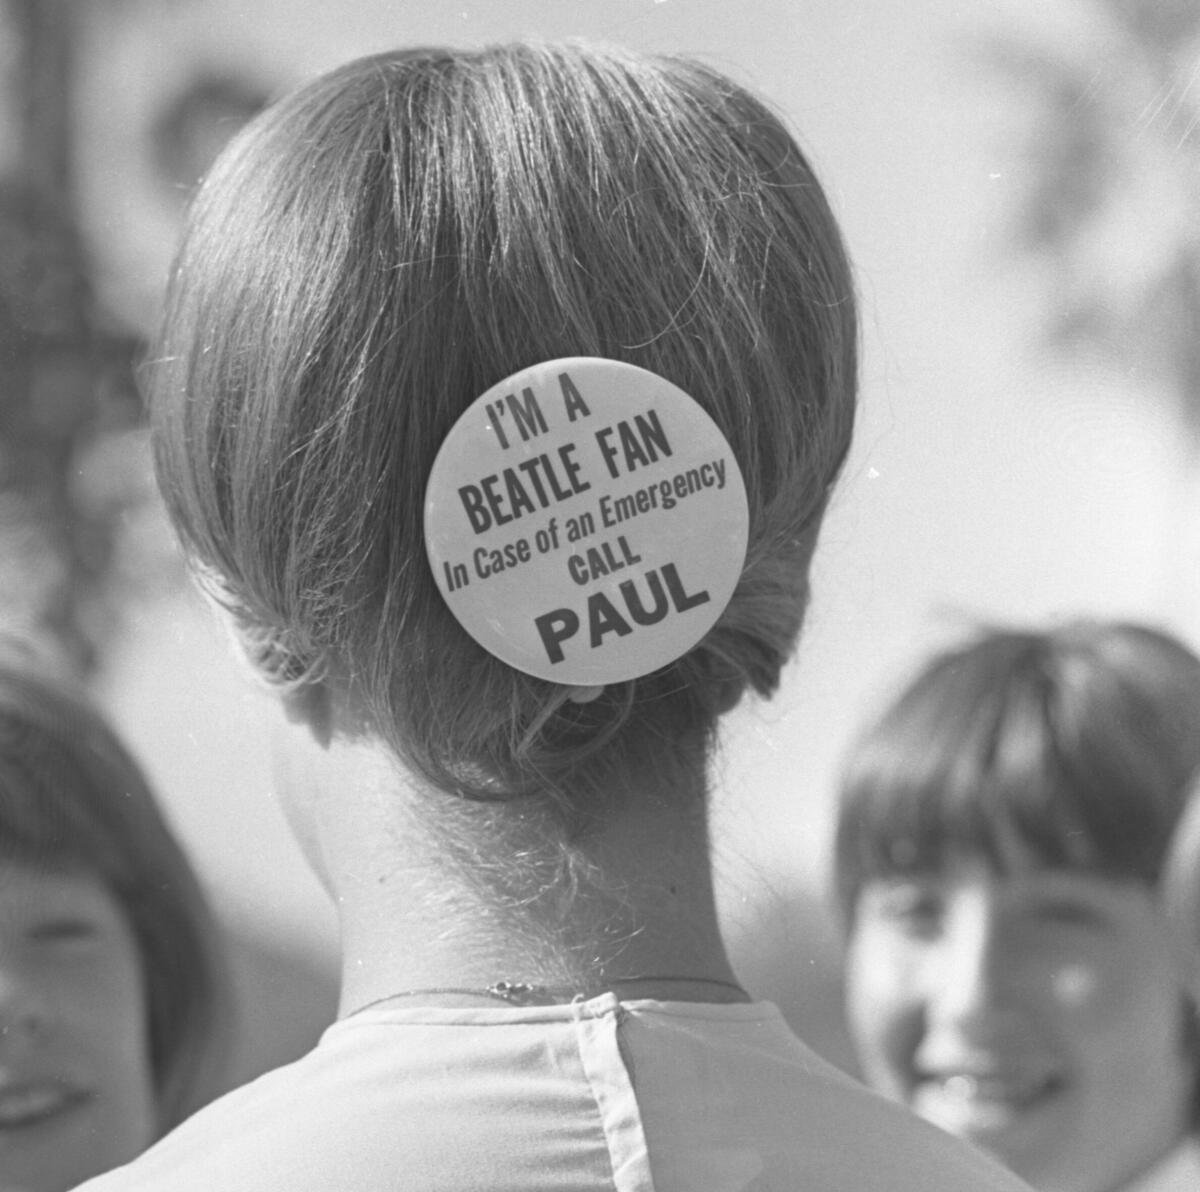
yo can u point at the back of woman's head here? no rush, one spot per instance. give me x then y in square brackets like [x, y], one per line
[382, 247]
[73, 799]
[1065, 749]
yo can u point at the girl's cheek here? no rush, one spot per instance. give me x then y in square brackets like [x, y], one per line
[1091, 992]
[1074, 986]
[884, 989]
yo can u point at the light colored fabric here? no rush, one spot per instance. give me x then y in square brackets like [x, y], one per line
[640, 1096]
[1178, 1172]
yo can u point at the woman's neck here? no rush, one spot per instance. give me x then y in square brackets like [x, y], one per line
[436, 893]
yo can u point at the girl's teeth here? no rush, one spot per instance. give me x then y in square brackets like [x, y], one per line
[961, 1088]
[964, 1087]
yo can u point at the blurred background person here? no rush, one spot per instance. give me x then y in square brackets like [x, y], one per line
[1010, 974]
[113, 1004]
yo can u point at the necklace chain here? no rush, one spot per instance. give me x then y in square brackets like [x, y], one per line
[521, 993]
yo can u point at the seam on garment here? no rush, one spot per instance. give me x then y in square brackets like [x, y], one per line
[564, 1012]
[597, 1029]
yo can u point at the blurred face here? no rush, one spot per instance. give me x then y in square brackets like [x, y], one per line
[1037, 1014]
[76, 1091]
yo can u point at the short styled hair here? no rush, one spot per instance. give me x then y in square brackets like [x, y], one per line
[377, 250]
[1073, 747]
[73, 799]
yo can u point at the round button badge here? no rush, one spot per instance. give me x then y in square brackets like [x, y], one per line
[586, 521]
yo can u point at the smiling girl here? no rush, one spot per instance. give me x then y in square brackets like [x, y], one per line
[109, 983]
[1010, 975]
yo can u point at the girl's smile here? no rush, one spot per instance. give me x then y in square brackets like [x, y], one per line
[1037, 1013]
[76, 1091]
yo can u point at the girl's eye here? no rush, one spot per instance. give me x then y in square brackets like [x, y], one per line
[64, 931]
[916, 910]
[1070, 914]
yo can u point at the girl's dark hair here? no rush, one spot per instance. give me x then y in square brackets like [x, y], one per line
[380, 248]
[72, 798]
[1181, 887]
[1071, 749]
